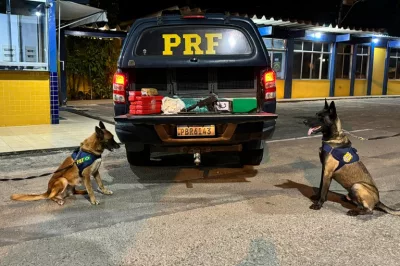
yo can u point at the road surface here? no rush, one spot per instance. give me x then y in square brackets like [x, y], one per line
[173, 213]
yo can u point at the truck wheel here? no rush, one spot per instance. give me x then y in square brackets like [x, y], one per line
[251, 157]
[139, 158]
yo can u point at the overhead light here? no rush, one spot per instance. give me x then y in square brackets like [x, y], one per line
[39, 10]
[317, 35]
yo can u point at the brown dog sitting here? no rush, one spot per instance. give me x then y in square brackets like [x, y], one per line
[341, 162]
[81, 165]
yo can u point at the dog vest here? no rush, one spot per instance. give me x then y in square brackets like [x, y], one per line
[84, 159]
[343, 155]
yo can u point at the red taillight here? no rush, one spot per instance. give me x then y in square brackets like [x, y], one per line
[194, 16]
[120, 82]
[268, 81]
[119, 79]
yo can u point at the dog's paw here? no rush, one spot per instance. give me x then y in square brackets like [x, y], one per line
[315, 206]
[353, 213]
[95, 202]
[107, 192]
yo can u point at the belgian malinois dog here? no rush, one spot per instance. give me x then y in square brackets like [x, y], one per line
[341, 162]
[80, 166]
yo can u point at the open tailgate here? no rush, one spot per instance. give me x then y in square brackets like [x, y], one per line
[196, 118]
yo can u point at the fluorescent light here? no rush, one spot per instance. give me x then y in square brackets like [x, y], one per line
[317, 35]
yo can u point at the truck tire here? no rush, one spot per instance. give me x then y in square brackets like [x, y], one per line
[139, 158]
[251, 157]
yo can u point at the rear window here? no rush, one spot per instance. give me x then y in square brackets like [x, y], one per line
[193, 40]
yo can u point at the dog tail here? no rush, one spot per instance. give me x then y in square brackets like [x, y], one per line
[387, 209]
[26, 197]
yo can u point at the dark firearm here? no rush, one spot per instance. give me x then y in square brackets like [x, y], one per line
[208, 102]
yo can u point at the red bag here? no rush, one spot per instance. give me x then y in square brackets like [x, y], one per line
[145, 98]
[135, 93]
[143, 112]
[146, 107]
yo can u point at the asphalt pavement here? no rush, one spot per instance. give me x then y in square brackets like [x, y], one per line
[173, 213]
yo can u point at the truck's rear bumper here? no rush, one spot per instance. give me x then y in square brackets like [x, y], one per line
[159, 129]
[196, 119]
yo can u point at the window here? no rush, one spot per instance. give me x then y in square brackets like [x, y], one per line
[362, 62]
[192, 40]
[277, 53]
[23, 45]
[394, 64]
[311, 60]
[343, 61]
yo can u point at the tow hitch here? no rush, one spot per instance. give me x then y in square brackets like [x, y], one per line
[197, 158]
[198, 150]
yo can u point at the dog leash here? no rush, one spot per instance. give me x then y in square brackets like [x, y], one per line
[375, 138]
[46, 174]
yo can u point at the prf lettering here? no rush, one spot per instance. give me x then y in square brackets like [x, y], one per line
[191, 42]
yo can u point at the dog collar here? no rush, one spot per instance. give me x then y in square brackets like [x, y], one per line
[345, 156]
[83, 159]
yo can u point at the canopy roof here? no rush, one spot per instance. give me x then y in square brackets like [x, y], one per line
[73, 14]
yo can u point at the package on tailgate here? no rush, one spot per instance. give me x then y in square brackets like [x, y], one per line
[141, 104]
[149, 92]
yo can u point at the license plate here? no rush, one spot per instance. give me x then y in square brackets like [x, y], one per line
[195, 131]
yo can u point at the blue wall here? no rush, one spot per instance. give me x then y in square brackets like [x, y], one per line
[54, 107]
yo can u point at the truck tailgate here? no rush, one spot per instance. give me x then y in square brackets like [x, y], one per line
[197, 118]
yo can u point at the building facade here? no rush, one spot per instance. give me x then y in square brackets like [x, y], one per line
[28, 69]
[29, 56]
[310, 60]
[315, 61]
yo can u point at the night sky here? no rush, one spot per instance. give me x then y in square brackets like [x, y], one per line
[369, 14]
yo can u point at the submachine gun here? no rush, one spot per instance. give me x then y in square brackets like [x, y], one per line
[207, 102]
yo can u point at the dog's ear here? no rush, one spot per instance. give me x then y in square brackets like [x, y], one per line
[326, 105]
[99, 133]
[332, 110]
[101, 125]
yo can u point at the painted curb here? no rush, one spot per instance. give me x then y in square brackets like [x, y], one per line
[41, 151]
[83, 113]
[336, 98]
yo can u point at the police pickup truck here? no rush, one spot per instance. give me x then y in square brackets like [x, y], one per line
[192, 57]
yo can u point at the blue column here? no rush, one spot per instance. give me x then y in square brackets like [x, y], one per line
[370, 69]
[52, 34]
[353, 69]
[386, 70]
[289, 68]
[332, 70]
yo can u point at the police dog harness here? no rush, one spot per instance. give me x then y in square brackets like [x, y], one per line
[84, 159]
[346, 155]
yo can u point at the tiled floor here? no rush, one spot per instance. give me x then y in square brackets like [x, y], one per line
[70, 132]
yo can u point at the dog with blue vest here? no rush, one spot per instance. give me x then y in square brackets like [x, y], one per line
[341, 162]
[77, 168]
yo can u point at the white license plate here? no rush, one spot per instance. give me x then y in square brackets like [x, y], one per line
[195, 131]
